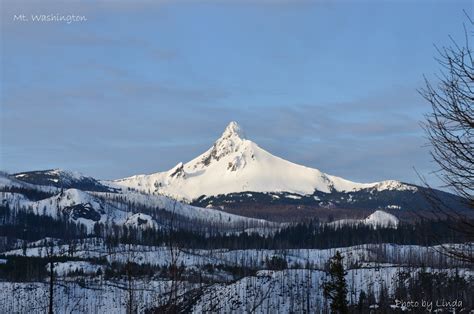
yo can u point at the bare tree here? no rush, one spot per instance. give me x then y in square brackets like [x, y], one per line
[50, 255]
[174, 250]
[450, 130]
[131, 307]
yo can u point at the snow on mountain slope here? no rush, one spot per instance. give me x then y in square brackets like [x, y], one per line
[381, 219]
[8, 182]
[61, 179]
[68, 198]
[51, 175]
[236, 164]
[185, 210]
[88, 208]
[140, 220]
[65, 268]
[74, 204]
[378, 219]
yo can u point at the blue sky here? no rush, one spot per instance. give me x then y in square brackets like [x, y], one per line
[142, 85]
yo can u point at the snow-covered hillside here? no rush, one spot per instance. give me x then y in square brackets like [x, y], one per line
[178, 208]
[9, 182]
[236, 164]
[365, 255]
[142, 221]
[378, 219]
[382, 219]
[287, 291]
[88, 208]
[370, 268]
[73, 204]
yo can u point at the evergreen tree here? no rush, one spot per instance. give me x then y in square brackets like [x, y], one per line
[335, 289]
[362, 301]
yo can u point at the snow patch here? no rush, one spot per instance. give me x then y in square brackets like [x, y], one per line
[382, 219]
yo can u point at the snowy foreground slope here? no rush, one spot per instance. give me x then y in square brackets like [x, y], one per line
[288, 291]
[236, 164]
[297, 289]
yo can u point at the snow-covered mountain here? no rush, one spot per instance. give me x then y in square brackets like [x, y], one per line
[233, 181]
[235, 164]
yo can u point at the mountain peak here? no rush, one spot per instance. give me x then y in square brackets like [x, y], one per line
[235, 164]
[231, 141]
[233, 129]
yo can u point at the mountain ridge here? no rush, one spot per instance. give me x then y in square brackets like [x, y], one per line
[238, 177]
[61, 179]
